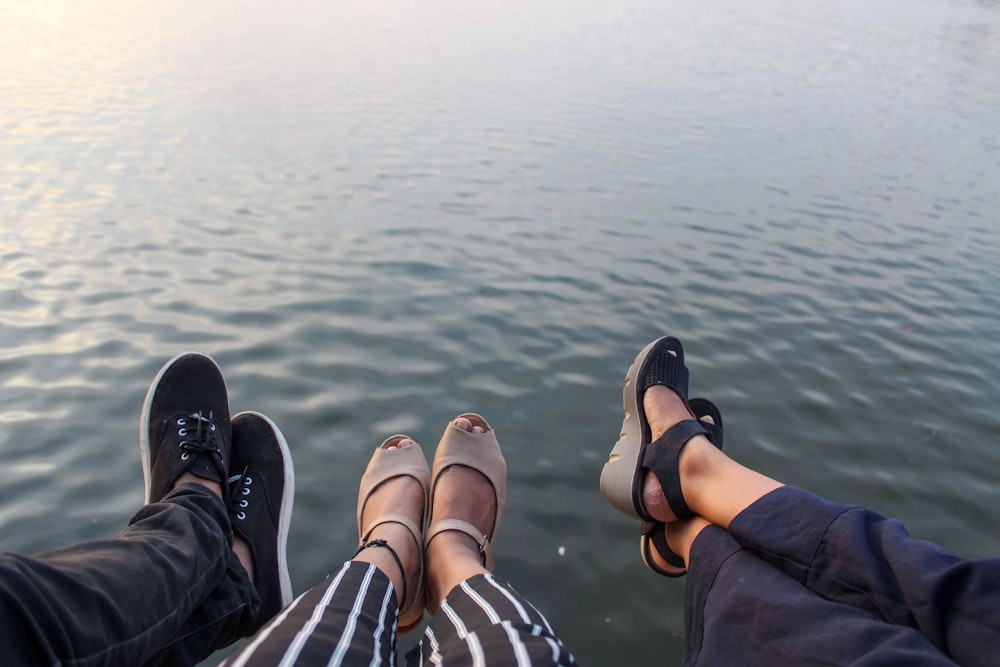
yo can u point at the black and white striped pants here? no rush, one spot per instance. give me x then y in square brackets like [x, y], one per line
[350, 619]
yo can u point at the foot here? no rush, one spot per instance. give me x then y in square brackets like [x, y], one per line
[465, 494]
[262, 490]
[664, 408]
[185, 433]
[401, 495]
[680, 536]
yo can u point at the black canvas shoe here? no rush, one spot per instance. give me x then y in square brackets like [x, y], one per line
[185, 425]
[262, 489]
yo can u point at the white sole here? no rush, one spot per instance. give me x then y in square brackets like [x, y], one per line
[621, 471]
[287, 502]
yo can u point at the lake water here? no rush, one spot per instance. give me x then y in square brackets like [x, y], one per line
[376, 215]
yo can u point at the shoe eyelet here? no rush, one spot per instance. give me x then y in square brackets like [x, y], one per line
[241, 516]
[185, 456]
[244, 503]
[246, 491]
[182, 432]
[248, 479]
[213, 427]
[181, 421]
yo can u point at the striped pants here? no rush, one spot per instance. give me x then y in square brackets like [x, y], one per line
[350, 619]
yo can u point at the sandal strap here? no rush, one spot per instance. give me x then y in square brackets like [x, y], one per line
[445, 525]
[662, 458]
[393, 518]
[656, 535]
[392, 552]
[414, 532]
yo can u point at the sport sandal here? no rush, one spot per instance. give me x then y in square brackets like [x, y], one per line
[660, 363]
[386, 464]
[481, 452]
[652, 537]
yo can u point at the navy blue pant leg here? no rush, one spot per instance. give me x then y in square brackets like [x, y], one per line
[126, 600]
[741, 610]
[853, 555]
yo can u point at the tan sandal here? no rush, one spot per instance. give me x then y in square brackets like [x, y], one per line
[481, 452]
[388, 464]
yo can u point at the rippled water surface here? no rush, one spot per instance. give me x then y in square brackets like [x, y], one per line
[376, 215]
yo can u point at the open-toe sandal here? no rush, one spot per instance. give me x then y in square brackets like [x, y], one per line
[481, 452]
[660, 363]
[652, 537]
[387, 464]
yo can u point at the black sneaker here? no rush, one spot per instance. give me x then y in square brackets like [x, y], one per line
[262, 490]
[185, 425]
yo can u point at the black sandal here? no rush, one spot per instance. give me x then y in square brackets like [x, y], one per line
[652, 536]
[660, 363]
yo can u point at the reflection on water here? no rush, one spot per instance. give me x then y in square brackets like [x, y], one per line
[376, 216]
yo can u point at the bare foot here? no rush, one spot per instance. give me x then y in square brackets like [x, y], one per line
[664, 408]
[680, 536]
[398, 495]
[714, 486]
[466, 494]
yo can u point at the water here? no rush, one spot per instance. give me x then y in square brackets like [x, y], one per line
[378, 215]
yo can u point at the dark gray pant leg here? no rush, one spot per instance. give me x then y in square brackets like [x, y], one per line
[228, 613]
[853, 555]
[741, 610]
[119, 601]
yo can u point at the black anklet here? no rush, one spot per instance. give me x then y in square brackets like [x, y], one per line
[395, 557]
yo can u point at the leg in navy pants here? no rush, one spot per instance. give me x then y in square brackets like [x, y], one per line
[800, 580]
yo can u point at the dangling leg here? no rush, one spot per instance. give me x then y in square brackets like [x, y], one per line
[479, 618]
[740, 610]
[846, 554]
[351, 618]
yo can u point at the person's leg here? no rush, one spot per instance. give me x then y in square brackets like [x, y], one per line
[846, 554]
[740, 610]
[120, 600]
[262, 492]
[854, 555]
[479, 618]
[123, 600]
[351, 617]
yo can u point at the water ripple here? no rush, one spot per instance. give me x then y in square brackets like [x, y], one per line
[494, 212]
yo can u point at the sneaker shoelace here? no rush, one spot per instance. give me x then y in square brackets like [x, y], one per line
[200, 436]
[240, 488]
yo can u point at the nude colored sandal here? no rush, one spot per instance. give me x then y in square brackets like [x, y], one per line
[481, 452]
[388, 464]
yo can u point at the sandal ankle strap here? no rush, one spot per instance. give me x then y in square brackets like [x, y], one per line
[392, 552]
[662, 458]
[405, 521]
[457, 525]
[414, 530]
